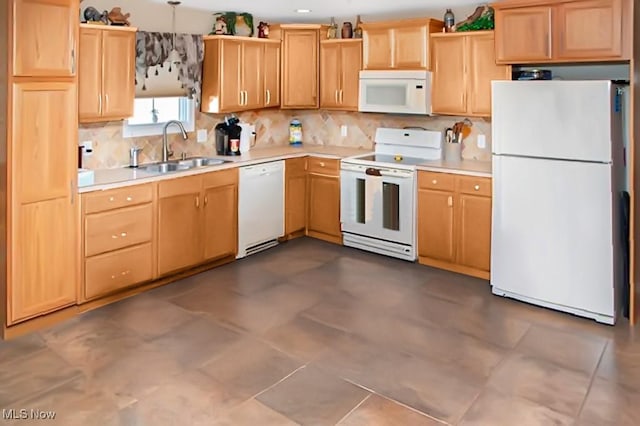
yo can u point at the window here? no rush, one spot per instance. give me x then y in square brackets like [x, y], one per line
[151, 114]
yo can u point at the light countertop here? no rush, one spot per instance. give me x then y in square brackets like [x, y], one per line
[463, 167]
[114, 178]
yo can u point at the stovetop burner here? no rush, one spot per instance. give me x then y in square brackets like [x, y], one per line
[393, 159]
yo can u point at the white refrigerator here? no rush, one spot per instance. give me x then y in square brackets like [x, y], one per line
[557, 176]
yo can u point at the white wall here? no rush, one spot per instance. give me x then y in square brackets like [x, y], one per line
[151, 16]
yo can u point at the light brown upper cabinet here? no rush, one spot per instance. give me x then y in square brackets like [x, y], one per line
[45, 34]
[106, 74]
[538, 31]
[463, 67]
[400, 44]
[300, 45]
[239, 73]
[340, 64]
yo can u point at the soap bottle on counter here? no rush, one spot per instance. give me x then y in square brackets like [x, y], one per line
[295, 132]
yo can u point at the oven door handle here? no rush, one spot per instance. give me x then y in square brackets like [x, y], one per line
[372, 171]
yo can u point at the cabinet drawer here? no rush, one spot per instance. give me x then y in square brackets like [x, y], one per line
[326, 166]
[434, 180]
[117, 229]
[220, 178]
[295, 166]
[116, 270]
[116, 198]
[474, 185]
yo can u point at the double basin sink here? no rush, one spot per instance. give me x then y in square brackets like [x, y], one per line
[182, 165]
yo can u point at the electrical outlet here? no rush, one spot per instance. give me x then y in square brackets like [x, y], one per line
[343, 130]
[202, 135]
[87, 147]
[482, 141]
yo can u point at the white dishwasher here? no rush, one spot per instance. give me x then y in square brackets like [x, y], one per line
[260, 207]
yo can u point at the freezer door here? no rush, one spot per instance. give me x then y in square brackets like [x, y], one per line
[552, 232]
[552, 119]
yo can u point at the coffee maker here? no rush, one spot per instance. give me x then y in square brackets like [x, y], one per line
[228, 136]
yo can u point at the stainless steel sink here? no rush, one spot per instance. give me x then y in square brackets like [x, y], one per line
[165, 167]
[201, 162]
[181, 165]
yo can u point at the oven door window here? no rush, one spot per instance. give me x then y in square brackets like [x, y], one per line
[391, 206]
[359, 201]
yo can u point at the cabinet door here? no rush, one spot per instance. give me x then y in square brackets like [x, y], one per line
[295, 188]
[44, 34]
[435, 225]
[474, 237]
[118, 73]
[523, 34]
[44, 141]
[300, 69]
[90, 74]
[448, 91]
[377, 49]
[589, 29]
[271, 69]
[220, 221]
[482, 69]
[251, 75]
[410, 48]
[324, 205]
[350, 64]
[230, 81]
[179, 224]
[44, 258]
[330, 75]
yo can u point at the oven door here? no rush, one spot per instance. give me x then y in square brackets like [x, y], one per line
[378, 202]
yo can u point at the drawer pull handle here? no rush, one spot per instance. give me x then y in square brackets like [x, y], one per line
[114, 237]
[124, 234]
[113, 277]
[321, 164]
[435, 181]
[129, 198]
[127, 272]
[112, 199]
[477, 187]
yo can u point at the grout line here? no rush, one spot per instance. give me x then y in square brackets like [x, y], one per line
[353, 409]
[279, 381]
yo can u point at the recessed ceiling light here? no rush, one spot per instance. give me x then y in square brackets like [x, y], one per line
[303, 10]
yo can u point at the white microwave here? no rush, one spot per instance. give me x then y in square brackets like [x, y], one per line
[402, 92]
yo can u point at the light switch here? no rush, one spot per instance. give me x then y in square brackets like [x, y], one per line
[201, 135]
[482, 141]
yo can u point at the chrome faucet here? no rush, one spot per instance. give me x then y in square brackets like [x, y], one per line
[165, 145]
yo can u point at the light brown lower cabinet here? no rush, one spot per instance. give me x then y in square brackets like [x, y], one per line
[295, 196]
[454, 222]
[323, 192]
[197, 219]
[118, 230]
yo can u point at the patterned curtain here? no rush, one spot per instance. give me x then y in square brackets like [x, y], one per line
[153, 48]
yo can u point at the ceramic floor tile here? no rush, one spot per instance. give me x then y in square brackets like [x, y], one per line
[621, 366]
[253, 413]
[33, 374]
[611, 404]
[541, 382]
[309, 396]
[249, 367]
[574, 351]
[495, 409]
[196, 342]
[376, 410]
[147, 316]
[20, 347]
[302, 338]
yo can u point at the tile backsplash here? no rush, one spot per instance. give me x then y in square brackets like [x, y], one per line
[321, 127]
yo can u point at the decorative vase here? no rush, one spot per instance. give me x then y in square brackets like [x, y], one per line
[449, 21]
[347, 30]
[332, 32]
[357, 32]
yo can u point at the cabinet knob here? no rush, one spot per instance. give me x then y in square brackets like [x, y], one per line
[129, 198]
[123, 234]
[477, 187]
[114, 237]
[435, 181]
[125, 272]
[321, 164]
[112, 199]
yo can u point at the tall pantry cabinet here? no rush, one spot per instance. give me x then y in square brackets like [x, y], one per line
[39, 261]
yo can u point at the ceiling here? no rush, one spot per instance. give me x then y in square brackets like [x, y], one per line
[321, 10]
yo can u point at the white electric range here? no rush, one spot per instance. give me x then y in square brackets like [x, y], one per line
[378, 191]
